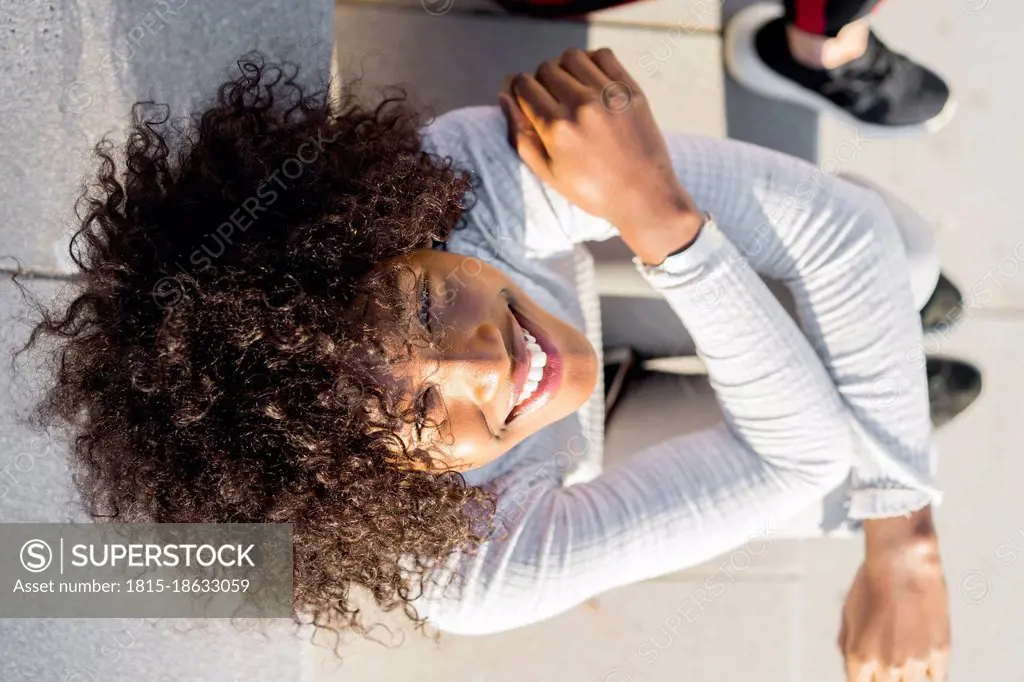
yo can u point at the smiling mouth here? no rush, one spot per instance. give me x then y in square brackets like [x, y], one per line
[538, 360]
[538, 367]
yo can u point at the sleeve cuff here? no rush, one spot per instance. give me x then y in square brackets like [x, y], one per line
[690, 264]
[876, 503]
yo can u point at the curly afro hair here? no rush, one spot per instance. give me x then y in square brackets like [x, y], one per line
[217, 366]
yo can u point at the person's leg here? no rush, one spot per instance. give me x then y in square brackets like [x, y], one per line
[918, 241]
[825, 18]
[823, 54]
[825, 34]
[938, 300]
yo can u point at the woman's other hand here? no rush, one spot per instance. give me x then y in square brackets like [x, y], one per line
[895, 623]
[583, 125]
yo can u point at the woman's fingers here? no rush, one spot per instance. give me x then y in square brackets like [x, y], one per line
[606, 60]
[915, 671]
[889, 674]
[581, 67]
[586, 152]
[938, 666]
[841, 639]
[538, 105]
[524, 138]
[860, 671]
[562, 85]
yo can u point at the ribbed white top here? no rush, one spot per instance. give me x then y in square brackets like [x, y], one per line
[801, 407]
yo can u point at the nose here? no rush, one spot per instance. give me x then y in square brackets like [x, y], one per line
[479, 367]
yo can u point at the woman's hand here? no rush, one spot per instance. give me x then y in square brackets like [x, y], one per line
[583, 125]
[896, 617]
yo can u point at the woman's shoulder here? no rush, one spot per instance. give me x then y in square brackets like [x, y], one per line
[467, 132]
[471, 139]
[475, 139]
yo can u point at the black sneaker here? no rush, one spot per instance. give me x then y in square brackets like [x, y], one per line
[944, 309]
[952, 386]
[882, 92]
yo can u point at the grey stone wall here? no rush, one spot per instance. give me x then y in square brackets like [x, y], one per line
[69, 72]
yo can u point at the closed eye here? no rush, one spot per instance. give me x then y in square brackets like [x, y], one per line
[426, 319]
[422, 409]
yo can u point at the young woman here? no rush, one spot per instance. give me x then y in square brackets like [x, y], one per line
[317, 313]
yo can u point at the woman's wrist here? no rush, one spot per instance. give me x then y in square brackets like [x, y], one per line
[902, 541]
[663, 235]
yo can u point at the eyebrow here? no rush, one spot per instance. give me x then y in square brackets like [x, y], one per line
[417, 289]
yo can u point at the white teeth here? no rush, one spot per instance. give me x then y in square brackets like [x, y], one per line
[538, 360]
[527, 391]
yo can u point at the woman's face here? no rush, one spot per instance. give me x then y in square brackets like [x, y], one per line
[499, 369]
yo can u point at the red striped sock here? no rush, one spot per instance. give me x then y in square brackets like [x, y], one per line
[810, 16]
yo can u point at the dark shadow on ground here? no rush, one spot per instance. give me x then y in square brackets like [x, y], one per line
[461, 60]
[769, 123]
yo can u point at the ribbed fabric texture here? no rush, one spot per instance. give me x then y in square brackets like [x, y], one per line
[802, 406]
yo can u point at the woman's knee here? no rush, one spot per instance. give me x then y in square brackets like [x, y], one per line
[916, 236]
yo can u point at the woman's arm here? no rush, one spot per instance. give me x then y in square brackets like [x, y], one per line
[786, 443]
[836, 248]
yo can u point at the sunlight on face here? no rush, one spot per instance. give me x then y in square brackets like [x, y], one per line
[498, 367]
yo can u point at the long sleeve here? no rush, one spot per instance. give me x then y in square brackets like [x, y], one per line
[786, 441]
[837, 249]
[833, 244]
